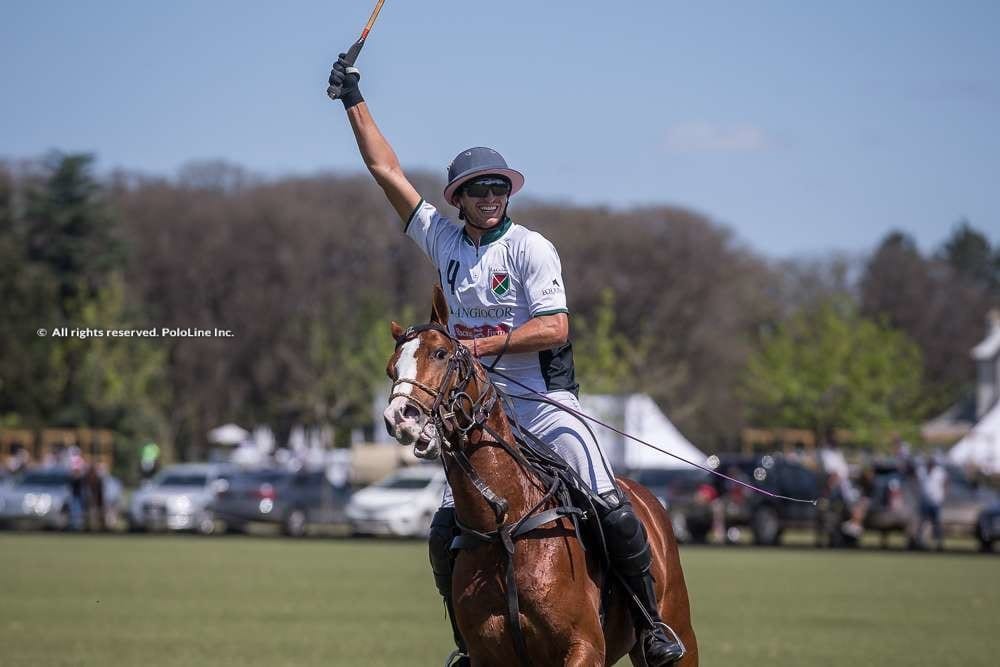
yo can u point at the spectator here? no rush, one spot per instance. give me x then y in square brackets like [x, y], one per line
[149, 460]
[866, 492]
[77, 507]
[839, 483]
[93, 485]
[901, 451]
[933, 482]
[725, 493]
[18, 459]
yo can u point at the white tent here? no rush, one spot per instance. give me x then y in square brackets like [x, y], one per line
[638, 415]
[981, 447]
[230, 434]
[263, 438]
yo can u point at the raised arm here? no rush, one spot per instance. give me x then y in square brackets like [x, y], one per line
[378, 155]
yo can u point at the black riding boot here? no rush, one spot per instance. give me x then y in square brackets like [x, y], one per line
[631, 558]
[443, 530]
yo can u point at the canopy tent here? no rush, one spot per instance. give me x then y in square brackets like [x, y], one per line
[638, 415]
[230, 434]
[981, 447]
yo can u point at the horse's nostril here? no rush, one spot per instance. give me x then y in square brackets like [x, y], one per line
[410, 411]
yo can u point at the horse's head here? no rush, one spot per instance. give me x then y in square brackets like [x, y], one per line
[435, 387]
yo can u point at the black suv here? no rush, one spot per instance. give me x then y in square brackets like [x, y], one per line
[768, 517]
[292, 499]
[687, 494]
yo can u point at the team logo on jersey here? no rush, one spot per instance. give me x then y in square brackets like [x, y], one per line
[500, 282]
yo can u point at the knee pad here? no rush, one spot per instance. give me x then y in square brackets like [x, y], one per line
[626, 540]
[443, 530]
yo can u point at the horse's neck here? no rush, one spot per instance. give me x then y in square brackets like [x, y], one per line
[499, 470]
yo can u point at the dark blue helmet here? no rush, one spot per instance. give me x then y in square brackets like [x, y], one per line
[479, 161]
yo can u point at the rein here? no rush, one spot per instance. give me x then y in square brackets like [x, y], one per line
[542, 398]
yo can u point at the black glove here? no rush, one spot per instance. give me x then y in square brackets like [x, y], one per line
[344, 78]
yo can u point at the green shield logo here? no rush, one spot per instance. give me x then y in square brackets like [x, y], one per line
[500, 282]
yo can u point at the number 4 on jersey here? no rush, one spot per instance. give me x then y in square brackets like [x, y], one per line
[452, 274]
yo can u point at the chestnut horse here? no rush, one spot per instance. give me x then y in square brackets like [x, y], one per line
[452, 410]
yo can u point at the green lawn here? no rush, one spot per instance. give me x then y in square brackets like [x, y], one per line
[246, 601]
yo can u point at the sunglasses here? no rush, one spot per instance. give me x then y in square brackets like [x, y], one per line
[481, 187]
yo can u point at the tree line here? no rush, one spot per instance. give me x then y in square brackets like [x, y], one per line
[307, 272]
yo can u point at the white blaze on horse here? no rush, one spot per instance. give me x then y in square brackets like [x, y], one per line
[403, 419]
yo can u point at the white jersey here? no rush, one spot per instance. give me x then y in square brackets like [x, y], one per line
[932, 483]
[513, 275]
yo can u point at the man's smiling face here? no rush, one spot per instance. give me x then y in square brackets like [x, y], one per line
[484, 200]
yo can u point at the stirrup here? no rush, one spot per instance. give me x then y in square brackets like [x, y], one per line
[669, 631]
[455, 658]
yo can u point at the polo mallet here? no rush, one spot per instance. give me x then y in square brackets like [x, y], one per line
[352, 53]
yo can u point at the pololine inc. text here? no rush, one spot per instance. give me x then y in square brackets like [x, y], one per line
[162, 332]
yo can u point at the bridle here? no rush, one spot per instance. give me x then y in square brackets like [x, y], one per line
[452, 408]
[450, 416]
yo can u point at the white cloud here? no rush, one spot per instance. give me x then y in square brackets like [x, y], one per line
[705, 137]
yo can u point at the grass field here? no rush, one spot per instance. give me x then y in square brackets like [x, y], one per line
[248, 601]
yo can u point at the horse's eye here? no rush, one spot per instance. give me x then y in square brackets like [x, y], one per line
[440, 353]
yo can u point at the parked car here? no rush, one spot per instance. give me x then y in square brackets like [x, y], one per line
[179, 498]
[294, 500]
[687, 494]
[895, 503]
[42, 498]
[767, 517]
[402, 504]
[964, 501]
[988, 526]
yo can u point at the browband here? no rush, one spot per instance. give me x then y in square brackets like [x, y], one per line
[415, 330]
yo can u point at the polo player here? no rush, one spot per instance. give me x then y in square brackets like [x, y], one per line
[506, 298]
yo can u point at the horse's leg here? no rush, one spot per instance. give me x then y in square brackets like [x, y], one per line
[584, 633]
[584, 654]
[674, 605]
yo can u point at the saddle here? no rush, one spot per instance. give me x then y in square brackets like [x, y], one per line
[573, 496]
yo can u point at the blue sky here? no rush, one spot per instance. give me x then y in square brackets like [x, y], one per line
[803, 126]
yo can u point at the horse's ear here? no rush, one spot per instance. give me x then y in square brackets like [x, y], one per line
[397, 330]
[439, 309]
